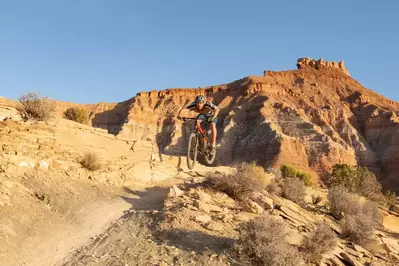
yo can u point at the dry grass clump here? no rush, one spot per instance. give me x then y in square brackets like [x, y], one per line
[36, 108]
[77, 114]
[316, 199]
[91, 161]
[319, 242]
[247, 179]
[262, 242]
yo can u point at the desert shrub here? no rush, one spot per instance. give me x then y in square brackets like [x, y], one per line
[359, 227]
[77, 114]
[358, 217]
[262, 242]
[275, 186]
[305, 177]
[287, 171]
[248, 178]
[318, 243]
[342, 202]
[34, 107]
[294, 190]
[91, 161]
[316, 199]
[390, 197]
[356, 179]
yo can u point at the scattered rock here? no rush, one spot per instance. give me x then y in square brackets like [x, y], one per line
[267, 203]
[202, 218]
[394, 208]
[391, 244]
[203, 196]
[294, 238]
[215, 208]
[175, 192]
[214, 226]
[244, 216]
[202, 206]
[255, 208]
[43, 164]
[226, 218]
[361, 250]
[352, 261]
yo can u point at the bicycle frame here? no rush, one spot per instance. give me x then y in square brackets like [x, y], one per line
[199, 131]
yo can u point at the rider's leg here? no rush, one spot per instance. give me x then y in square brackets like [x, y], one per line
[214, 132]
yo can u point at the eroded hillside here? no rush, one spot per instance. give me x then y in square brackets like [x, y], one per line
[312, 118]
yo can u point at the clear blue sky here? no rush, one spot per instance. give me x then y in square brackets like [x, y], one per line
[92, 50]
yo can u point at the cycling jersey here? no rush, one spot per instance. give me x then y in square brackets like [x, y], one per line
[208, 110]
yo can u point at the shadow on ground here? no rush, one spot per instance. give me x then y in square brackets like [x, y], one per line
[200, 242]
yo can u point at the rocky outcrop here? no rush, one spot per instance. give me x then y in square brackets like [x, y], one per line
[310, 118]
[321, 64]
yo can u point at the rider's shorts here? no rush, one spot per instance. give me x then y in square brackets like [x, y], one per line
[205, 117]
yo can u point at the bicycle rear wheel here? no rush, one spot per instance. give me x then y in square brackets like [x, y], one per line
[192, 150]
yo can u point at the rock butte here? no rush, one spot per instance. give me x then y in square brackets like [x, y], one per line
[312, 118]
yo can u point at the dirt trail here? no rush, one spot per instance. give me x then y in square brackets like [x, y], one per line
[131, 240]
[64, 241]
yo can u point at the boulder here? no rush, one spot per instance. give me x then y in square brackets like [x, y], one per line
[202, 196]
[202, 218]
[174, 192]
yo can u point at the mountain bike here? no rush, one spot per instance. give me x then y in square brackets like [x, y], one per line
[199, 141]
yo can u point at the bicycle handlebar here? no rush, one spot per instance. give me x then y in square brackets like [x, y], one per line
[187, 118]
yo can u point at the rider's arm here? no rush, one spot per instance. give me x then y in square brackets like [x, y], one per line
[214, 108]
[216, 112]
[189, 106]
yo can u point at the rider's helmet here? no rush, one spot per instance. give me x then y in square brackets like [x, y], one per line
[200, 99]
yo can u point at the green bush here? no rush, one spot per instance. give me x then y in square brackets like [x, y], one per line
[77, 114]
[289, 171]
[305, 177]
[356, 179]
[34, 107]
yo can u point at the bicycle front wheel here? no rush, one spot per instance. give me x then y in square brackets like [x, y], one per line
[192, 150]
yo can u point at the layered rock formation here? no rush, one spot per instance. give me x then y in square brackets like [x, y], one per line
[321, 64]
[312, 118]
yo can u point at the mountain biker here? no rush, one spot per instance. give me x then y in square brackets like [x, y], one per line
[208, 112]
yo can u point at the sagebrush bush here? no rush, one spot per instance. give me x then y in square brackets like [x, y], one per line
[275, 186]
[294, 190]
[359, 227]
[262, 242]
[390, 197]
[77, 114]
[342, 202]
[36, 108]
[91, 161]
[319, 242]
[248, 178]
[357, 180]
[358, 218]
